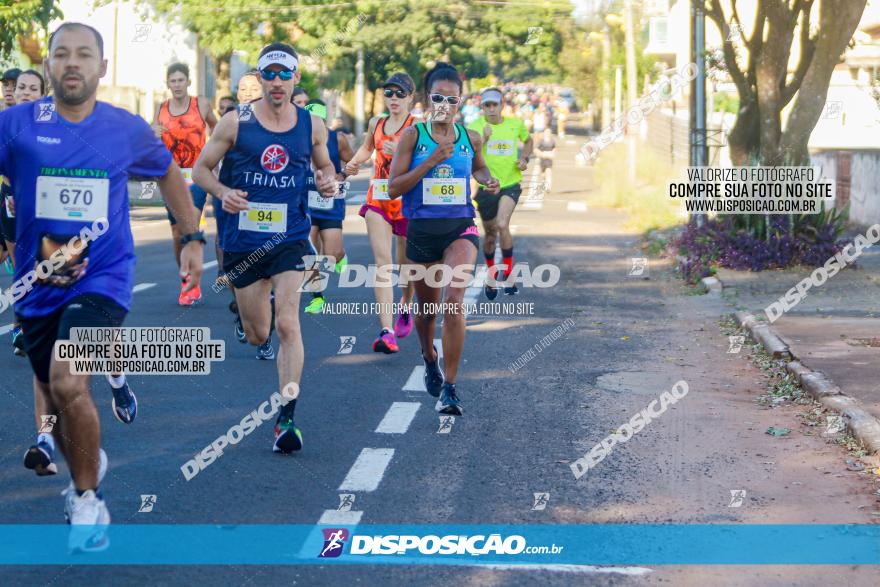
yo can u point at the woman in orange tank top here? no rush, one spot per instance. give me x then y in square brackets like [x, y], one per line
[383, 215]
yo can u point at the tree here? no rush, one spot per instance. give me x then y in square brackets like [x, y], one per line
[21, 17]
[764, 82]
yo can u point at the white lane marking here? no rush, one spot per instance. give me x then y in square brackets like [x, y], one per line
[209, 264]
[577, 569]
[5, 329]
[398, 418]
[416, 381]
[337, 518]
[576, 207]
[367, 471]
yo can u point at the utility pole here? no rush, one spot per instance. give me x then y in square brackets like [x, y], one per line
[631, 89]
[699, 151]
[359, 95]
[606, 77]
[618, 92]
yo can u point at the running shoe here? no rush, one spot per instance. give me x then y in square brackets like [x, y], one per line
[265, 352]
[88, 518]
[39, 459]
[316, 306]
[386, 343]
[342, 264]
[195, 294]
[449, 402]
[404, 325]
[511, 290]
[288, 438]
[433, 375]
[184, 298]
[17, 342]
[125, 404]
[240, 336]
[490, 290]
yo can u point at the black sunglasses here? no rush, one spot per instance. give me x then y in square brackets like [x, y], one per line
[398, 93]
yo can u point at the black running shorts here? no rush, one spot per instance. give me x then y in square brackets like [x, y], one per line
[428, 238]
[243, 269]
[85, 311]
[487, 204]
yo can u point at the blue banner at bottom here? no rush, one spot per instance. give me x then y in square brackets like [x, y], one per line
[606, 544]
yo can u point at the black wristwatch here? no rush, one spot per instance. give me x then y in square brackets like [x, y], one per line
[196, 236]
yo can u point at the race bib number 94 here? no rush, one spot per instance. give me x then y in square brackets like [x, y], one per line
[263, 218]
[72, 198]
[444, 192]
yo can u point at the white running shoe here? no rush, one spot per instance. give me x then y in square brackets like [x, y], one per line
[102, 470]
[88, 518]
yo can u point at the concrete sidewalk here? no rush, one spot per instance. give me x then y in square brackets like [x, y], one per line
[835, 329]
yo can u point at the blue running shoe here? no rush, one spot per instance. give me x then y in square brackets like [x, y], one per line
[265, 352]
[38, 458]
[125, 405]
[433, 375]
[511, 290]
[449, 402]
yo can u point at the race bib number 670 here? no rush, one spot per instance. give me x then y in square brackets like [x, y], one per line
[72, 198]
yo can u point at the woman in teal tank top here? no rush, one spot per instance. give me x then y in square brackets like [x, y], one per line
[431, 171]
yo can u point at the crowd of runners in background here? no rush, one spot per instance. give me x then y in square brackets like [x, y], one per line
[275, 169]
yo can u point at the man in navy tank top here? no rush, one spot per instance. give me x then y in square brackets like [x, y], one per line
[266, 148]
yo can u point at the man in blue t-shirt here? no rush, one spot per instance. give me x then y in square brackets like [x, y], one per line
[69, 159]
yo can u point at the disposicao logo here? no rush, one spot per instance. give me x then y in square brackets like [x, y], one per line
[334, 541]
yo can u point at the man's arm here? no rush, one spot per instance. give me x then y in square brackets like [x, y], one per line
[207, 113]
[325, 172]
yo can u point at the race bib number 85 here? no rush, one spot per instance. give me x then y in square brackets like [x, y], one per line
[72, 198]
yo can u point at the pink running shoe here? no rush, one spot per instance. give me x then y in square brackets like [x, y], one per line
[403, 326]
[386, 343]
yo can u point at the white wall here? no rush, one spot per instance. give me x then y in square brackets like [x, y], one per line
[145, 47]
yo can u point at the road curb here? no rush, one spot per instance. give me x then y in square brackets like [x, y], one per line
[862, 425]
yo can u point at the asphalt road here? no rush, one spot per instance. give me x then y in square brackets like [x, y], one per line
[519, 432]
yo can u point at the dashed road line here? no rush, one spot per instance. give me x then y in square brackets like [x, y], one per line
[398, 418]
[340, 518]
[367, 471]
[576, 207]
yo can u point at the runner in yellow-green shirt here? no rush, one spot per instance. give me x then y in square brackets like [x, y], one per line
[501, 139]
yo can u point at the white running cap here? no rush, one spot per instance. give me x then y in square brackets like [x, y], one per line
[492, 95]
[282, 58]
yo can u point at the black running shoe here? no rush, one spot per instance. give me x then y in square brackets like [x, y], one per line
[433, 375]
[449, 402]
[125, 405]
[491, 292]
[288, 438]
[511, 290]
